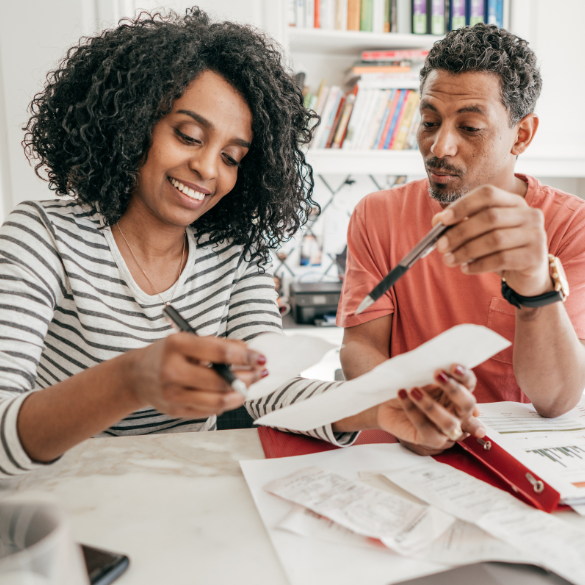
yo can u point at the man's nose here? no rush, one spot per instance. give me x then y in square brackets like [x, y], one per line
[445, 143]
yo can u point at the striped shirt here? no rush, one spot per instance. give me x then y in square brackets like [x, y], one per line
[68, 302]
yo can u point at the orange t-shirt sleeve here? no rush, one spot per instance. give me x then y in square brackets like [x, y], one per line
[363, 272]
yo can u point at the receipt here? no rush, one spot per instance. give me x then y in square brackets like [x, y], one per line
[554, 544]
[286, 357]
[401, 525]
[468, 345]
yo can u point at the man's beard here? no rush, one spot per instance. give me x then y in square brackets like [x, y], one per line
[446, 197]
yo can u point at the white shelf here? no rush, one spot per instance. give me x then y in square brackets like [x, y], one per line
[409, 162]
[310, 40]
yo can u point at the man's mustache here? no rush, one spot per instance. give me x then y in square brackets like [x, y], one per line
[439, 164]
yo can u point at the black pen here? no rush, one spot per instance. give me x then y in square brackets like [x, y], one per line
[424, 247]
[175, 319]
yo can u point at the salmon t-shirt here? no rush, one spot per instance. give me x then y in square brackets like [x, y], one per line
[431, 297]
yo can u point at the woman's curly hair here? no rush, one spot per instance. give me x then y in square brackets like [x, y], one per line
[91, 126]
[485, 47]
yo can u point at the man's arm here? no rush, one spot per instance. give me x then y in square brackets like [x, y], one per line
[497, 231]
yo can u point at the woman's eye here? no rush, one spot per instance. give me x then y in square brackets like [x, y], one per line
[230, 161]
[186, 138]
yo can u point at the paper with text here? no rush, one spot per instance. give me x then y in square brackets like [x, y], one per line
[552, 543]
[468, 345]
[553, 448]
[401, 525]
[286, 357]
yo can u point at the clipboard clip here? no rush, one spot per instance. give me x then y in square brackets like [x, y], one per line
[536, 483]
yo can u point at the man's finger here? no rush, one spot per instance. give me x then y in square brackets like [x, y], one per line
[513, 260]
[475, 201]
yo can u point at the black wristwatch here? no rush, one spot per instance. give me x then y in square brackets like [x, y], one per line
[560, 291]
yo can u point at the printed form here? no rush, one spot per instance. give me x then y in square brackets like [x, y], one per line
[554, 448]
[546, 539]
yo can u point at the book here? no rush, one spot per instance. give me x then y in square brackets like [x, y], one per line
[391, 109]
[411, 138]
[457, 14]
[378, 7]
[404, 16]
[300, 13]
[309, 13]
[397, 110]
[321, 98]
[393, 16]
[291, 12]
[383, 123]
[437, 18]
[341, 132]
[355, 119]
[419, 17]
[382, 67]
[475, 12]
[336, 121]
[399, 119]
[374, 124]
[329, 111]
[341, 14]
[366, 15]
[370, 104]
[317, 18]
[495, 12]
[395, 55]
[409, 109]
[353, 14]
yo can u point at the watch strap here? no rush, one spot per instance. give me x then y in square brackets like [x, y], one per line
[532, 302]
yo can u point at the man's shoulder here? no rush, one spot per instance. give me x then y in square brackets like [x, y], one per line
[392, 201]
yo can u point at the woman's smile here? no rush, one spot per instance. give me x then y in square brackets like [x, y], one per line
[194, 194]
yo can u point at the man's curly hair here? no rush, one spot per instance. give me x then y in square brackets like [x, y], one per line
[485, 47]
[91, 126]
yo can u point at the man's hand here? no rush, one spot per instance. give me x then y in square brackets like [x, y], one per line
[497, 231]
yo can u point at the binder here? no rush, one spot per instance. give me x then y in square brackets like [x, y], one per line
[457, 14]
[419, 17]
[475, 12]
[437, 17]
[481, 458]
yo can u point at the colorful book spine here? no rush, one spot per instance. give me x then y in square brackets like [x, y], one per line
[397, 111]
[329, 113]
[356, 115]
[317, 19]
[363, 125]
[395, 55]
[354, 10]
[436, 24]
[399, 119]
[475, 12]
[336, 121]
[411, 142]
[391, 109]
[409, 109]
[341, 132]
[419, 17]
[367, 15]
[376, 120]
[495, 12]
[384, 122]
[457, 16]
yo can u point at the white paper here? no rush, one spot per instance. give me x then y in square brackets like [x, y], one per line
[553, 448]
[311, 561]
[550, 542]
[286, 357]
[398, 523]
[468, 345]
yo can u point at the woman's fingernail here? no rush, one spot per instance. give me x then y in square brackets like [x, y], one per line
[442, 244]
[264, 374]
[449, 258]
[402, 394]
[416, 394]
[261, 360]
[459, 370]
[442, 377]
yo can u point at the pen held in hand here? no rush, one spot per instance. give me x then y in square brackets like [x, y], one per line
[175, 319]
[424, 247]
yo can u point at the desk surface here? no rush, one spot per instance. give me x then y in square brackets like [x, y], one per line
[176, 504]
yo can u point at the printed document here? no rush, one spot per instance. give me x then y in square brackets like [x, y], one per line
[553, 448]
[468, 345]
[401, 525]
[549, 541]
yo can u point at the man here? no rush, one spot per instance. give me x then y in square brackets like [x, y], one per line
[479, 87]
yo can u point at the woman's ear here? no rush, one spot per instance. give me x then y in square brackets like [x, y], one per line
[525, 131]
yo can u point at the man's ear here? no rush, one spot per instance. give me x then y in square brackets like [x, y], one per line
[525, 131]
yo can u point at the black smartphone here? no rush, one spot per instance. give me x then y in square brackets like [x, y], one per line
[103, 566]
[490, 574]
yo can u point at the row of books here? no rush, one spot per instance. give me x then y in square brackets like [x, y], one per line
[427, 16]
[399, 66]
[366, 118]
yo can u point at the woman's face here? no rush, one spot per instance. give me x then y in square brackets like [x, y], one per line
[195, 153]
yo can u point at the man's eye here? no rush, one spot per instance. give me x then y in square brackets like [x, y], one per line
[470, 129]
[428, 124]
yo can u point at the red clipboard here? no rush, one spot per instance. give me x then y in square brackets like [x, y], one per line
[481, 458]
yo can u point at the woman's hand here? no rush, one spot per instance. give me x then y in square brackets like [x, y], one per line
[172, 375]
[428, 420]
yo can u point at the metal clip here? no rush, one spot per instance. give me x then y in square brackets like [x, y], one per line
[536, 483]
[487, 445]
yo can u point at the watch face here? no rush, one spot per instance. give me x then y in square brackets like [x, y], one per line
[559, 277]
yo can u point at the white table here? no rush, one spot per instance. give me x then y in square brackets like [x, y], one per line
[177, 504]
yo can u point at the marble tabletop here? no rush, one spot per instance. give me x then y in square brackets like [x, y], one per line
[176, 504]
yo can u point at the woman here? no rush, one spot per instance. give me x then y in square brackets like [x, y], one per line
[180, 142]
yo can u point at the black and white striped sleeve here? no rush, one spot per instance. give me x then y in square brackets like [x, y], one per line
[31, 284]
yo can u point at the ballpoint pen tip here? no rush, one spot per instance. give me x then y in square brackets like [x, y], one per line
[364, 305]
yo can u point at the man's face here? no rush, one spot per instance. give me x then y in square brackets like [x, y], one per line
[464, 136]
